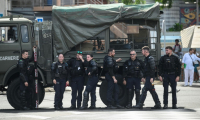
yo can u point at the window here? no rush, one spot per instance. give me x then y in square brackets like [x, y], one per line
[24, 33]
[141, 39]
[93, 44]
[8, 34]
[119, 39]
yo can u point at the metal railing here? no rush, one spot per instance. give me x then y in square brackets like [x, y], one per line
[96, 1]
[44, 3]
[41, 3]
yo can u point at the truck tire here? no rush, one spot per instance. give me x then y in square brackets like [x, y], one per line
[13, 93]
[122, 91]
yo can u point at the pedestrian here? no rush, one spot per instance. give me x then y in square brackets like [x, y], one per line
[196, 64]
[149, 75]
[25, 81]
[169, 72]
[92, 72]
[111, 68]
[77, 72]
[59, 76]
[188, 63]
[133, 70]
[177, 48]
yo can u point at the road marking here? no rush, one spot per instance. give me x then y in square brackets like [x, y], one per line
[33, 116]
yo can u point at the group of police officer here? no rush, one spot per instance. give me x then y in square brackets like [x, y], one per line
[134, 71]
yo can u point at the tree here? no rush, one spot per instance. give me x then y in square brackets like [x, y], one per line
[176, 27]
[129, 2]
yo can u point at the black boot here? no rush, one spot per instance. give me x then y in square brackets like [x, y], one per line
[78, 107]
[156, 100]
[93, 106]
[109, 106]
[137, 98]
[72, 107]
[165, 106]
[23, 101]
[174, 106]
[119, 106]
[85, 100]
[61, 107]
[57, 108]
[130, 96]
[139, 106]
[93, 100]
[157, 106]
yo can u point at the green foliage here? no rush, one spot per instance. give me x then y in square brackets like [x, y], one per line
[127, 2]
[164, 2]
[176, 27]
[130, 2]
[169, 2]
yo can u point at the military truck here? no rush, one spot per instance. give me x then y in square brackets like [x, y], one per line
[88, 28]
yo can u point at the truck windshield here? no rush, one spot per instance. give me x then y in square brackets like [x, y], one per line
[8, 34]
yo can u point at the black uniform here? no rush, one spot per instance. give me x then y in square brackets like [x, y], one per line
[26, 76]
[169, 69]
[133, 72]
[111, 68]
[92, 68]
[77, 72]
[60, 74]
[149, 72]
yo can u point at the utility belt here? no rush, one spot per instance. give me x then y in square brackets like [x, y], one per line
[170, 73]
[94, 75]
[135, 74]
[132, 76]
[76, 73]
[59, 75]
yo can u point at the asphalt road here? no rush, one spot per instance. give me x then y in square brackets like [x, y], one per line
[188, 103]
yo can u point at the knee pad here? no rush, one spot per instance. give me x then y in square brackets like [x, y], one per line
[137, 91]
[130, 90]
[86, 93]
[144, 91]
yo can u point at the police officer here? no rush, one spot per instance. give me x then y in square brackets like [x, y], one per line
[59, 77]
[169, 72]
[110, 68]
[92, 72]
[149, 73]
[132, 74]
[77, 72]
[25, 86]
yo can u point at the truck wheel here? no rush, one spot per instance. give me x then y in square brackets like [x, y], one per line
[122, 97]
[13, 93]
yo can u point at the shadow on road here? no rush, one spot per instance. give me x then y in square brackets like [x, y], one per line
[181, 109]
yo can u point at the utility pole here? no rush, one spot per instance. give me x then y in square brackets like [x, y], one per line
[197, 8]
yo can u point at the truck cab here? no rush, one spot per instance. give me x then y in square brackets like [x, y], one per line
[16, 34]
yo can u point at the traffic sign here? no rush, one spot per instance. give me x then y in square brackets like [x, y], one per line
[39, 19]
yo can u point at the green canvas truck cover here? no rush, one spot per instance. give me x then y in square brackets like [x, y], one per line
[75, 24]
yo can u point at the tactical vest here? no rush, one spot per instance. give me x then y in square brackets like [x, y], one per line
[169, 63]
[134, 68]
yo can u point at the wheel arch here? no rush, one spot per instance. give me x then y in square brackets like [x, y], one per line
[13, 72]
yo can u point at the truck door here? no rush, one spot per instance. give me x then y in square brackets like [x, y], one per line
[26, 38]
[9, 47]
